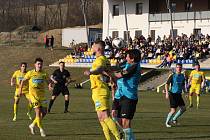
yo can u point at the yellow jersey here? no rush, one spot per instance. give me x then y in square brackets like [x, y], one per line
[37, 83]
[197, 77]
[97, 81]
[18, 75]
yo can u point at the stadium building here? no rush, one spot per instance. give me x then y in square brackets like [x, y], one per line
[152, 17]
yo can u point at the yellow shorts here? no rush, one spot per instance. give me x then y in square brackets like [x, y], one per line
[24, 94]
[38, 102]
[100, 98]
[195, 89]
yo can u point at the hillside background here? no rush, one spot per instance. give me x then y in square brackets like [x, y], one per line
[48, 14]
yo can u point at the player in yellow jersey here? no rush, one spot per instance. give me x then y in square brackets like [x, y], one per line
[196, 80]
[16, 79]
[37, 79]
[100, 91]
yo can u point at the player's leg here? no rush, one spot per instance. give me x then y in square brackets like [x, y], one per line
[15, 106]
[56, 91]
[54, 96]
[101, 101]
[128, 109]
[65, 92]
[39, 115]
[126, 123]
[178, 114]
[173, 106]
[191, 96]
[108, 124]
[181, 104]
[198, 91]
[66, 98]
[30, 106]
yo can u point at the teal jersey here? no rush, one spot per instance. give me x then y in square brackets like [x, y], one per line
[177, 82]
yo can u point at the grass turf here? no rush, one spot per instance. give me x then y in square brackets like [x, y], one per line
[81, 123]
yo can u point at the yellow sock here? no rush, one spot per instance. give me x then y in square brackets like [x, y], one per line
[39, 123]
[198, 100]
[34, 122]
[190, 99]
[105, 130]
[29, 107]
[15, 109]
[112, 127]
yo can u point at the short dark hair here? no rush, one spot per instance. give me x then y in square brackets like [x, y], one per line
[38, 60]
[178, 64]
[23, 63]
[134, 54]
[197, 64]
[100, 42]
[61, 62]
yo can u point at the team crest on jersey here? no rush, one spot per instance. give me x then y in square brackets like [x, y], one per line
[38, 81]
[97, 104]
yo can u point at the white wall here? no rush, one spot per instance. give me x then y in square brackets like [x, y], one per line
[76, 34]
[141, 22]
[117, 23]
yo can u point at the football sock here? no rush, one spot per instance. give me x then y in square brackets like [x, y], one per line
[15, 109]
[34, 122]
[169, 117]
[112, 127]
[50, 104]
[178, 114]
[39, 123]
[105, 130]
[190, 99]
[198, 100]
[66, 104]
[128, 134]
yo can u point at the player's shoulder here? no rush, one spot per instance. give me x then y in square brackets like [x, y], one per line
[17, 71]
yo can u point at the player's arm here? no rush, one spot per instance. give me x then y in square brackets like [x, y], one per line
[13, 79]
[49, 82]
[22, 83]
[127, 72]
[184, 87]
[118, 67]
[203, 80]
[190, 78]
[53, 79]
[168, 82]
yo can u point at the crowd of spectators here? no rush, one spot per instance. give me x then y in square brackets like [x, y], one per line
[182, 47]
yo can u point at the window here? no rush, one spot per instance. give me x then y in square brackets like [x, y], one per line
[125, 35]
[139, 8]
[208, 4]
[174, 33]
[115, 34]
[138, 33]
[197, 32]
[115, 10]
[188, 6]
[173, 7]
[152, 33]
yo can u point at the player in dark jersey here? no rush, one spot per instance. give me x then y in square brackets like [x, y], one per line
[61, 79]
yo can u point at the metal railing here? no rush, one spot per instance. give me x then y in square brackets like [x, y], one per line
[180, 16]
